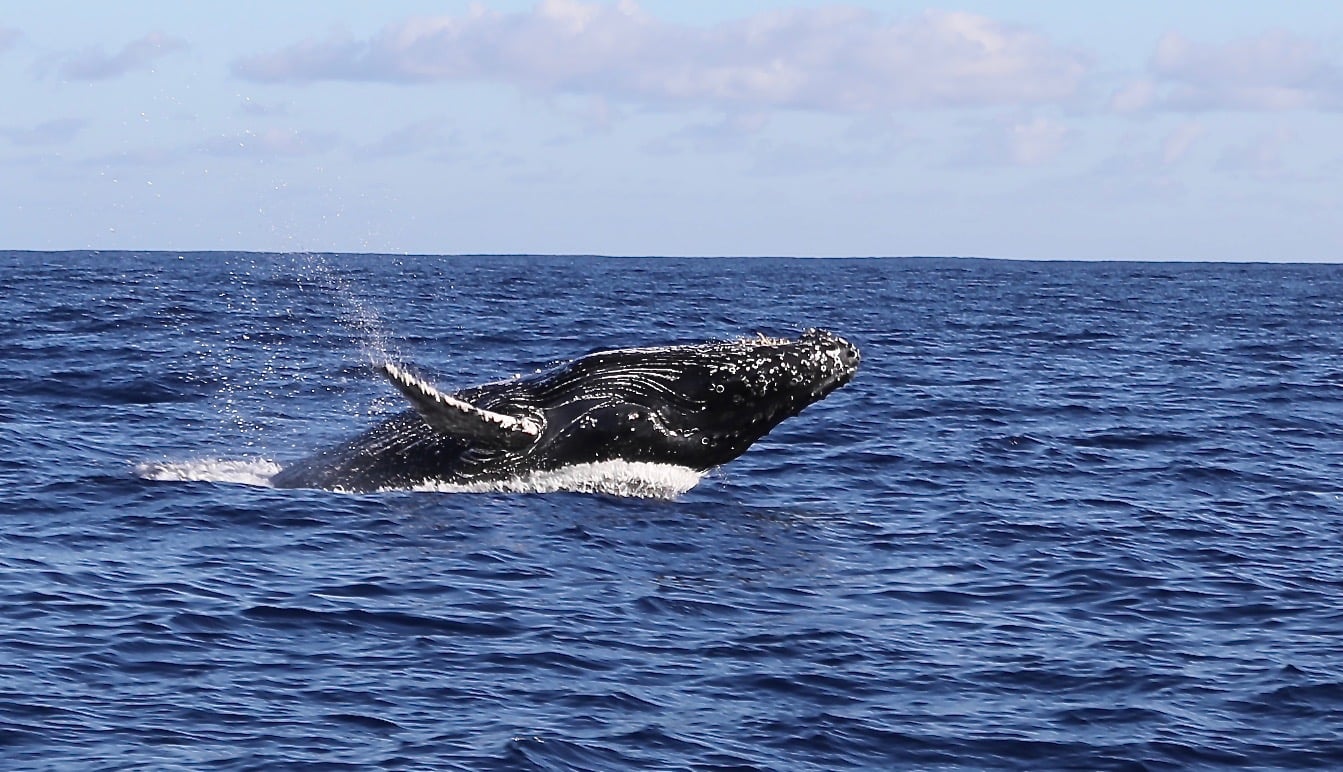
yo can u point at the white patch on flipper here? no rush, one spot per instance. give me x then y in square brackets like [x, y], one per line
[634, 479]
[243, 471]
[433, 403]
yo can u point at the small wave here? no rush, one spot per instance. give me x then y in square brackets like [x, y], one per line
[634, 479]
[245, 471]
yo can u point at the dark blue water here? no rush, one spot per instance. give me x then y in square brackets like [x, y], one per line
[1068, 516]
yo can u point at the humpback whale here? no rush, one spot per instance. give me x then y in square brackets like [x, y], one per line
[696, 406]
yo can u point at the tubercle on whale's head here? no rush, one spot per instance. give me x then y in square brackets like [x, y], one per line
[839, 357]
[815, 364]
[741, 389]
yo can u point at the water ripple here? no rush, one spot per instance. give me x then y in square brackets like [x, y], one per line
[1067, 517]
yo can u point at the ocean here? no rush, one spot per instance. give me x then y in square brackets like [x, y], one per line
[1067, 516]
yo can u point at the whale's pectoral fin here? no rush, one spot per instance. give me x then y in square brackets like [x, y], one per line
[450, 415]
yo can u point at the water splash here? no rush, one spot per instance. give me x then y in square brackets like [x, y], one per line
[241, 471]
[356, 312]
[262, 364]
[236, 361]
[629, 479]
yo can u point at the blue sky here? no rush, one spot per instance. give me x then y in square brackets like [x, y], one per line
[1190, 130]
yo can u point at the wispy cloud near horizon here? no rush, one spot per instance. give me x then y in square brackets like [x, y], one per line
[56, 131]
[270, 143]
[96, 64]
[1270, 72]
[9, 38]
[830, 59]
[664, 126]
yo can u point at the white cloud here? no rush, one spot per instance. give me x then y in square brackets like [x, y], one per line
[1134, 97]
[1034, 142]
[729, 133]
[250, 106]
[425, 135]
[1016, 142]
[270, 143]
[830, 59]
[96, 64]
[53, 132]
[1180, 141]
[1273, 71]
[1261, 156]
[9, 38]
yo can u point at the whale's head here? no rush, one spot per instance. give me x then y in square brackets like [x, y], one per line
[695, 405]
[729, 395]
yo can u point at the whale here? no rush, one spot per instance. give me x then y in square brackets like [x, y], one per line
[696, 406]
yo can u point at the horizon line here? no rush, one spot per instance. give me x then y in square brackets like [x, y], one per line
[608, 256]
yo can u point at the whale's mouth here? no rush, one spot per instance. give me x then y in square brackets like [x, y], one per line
[832, 383]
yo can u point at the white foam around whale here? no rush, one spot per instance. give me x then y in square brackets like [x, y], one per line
[256, 471]
[634, 479]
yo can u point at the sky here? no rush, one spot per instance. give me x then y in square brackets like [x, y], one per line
[1171, 130]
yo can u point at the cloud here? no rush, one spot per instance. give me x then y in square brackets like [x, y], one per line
[249, 106]
[54, 132]
[830, 59]
[270, 143]
[142, 158]
[1034, 142]
[1260, 157]
[96, 64]
[1180, 141]
[426, 135]
[1016, 142]
[794, 159]
[9, 38]
[1270, 72]
[1136, 171]
[729, 133]
[1134, 97]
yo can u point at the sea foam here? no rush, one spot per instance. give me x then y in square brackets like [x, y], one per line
[634, 479]
[244, 471]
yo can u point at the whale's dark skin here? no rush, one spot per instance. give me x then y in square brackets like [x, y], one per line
[695, 406]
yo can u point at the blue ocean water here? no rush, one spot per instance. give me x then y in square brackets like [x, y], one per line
[1067, 516]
